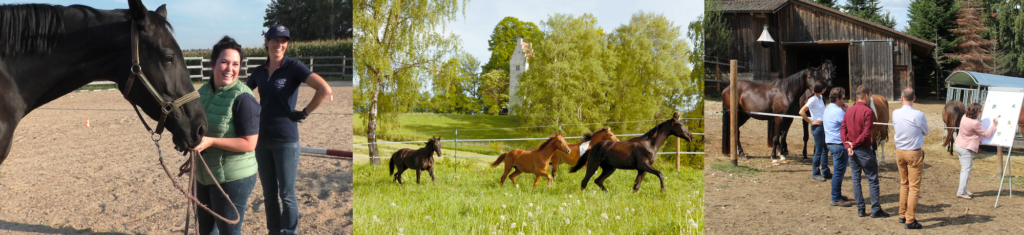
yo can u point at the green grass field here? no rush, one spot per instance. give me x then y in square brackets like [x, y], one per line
[468, 200]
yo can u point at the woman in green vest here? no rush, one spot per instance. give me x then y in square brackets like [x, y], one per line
[233, 117]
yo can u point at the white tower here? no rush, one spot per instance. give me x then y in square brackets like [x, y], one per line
[517, 65]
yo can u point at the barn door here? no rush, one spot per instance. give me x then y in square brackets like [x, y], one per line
[870, 65]
[901, 81]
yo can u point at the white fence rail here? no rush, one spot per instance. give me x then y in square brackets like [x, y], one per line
[199, 68]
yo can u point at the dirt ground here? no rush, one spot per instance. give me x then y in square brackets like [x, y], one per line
[64, 178]
[785, 200]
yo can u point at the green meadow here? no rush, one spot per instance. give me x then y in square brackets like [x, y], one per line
[467, 199]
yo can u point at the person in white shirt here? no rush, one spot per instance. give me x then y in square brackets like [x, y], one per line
[911, 127]
[816, 105]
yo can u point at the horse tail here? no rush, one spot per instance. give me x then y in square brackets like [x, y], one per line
[581, 162]
[391, 165]
[499, 160]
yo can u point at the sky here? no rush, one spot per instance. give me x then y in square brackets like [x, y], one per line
[198, 24]
[475, 27]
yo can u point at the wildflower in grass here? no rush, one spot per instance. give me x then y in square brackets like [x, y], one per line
[617, 217]
[530, 214]
[426, 217]
[502, 217]
[570, 195]
[502, 206]
[375, 219]
[566, 221]
[393, 204]
[531, 204]
[604, 215]
[513, 225]
[521, 233]
[694, 224]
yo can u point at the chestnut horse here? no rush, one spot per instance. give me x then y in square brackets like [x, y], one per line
[637, 153]
[590, 139]
[780, 96]
[951, 116]
[535, 161]
[419, 160]
[880, 133]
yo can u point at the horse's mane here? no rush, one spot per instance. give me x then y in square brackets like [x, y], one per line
[30, 28]
[649, 133]
[795, 80]
[545, 144]
[36, 28]
[588, 136]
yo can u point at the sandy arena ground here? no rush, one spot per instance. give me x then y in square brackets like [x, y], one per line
[785, 200]
[62, 177]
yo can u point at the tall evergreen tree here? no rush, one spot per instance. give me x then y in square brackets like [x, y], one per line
[931, 20]
[972, 50]
[1008, 26]
[870, 11]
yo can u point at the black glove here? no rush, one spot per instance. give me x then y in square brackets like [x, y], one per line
[298, 115]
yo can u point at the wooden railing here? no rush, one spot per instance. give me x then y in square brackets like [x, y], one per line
[199, 68]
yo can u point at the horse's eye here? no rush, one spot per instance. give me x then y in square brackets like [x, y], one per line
[168, 59]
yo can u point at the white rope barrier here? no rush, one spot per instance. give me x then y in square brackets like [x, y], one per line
[800, 117]
[491, 140]
[483, 156]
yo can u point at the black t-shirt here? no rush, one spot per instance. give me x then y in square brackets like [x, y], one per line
[278, 93]
[246, 115]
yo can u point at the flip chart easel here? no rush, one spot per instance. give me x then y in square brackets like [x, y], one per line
[1003, 104]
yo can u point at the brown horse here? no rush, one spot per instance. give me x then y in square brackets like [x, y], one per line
[951, 116]
[590, 139]
[418, 160]
[779, 96]
[880, 133]
[535, 161]
[637, 153]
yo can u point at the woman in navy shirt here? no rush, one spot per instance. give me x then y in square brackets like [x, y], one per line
[277, 150]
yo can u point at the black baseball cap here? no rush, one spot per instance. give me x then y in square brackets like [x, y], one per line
[275, 31]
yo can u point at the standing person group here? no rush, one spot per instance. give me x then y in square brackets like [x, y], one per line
[249, 138]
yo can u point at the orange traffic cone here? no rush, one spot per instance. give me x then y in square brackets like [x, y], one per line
[87, 124]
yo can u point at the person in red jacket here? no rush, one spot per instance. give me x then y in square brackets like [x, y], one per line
[855, 132]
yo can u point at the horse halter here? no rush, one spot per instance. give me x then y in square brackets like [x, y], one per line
[166, 107]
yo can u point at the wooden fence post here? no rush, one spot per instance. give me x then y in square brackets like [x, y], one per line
[732, 112]
[678, 150]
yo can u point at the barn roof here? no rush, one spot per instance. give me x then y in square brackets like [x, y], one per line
[773, 6]
[753, 6]
[968, 78]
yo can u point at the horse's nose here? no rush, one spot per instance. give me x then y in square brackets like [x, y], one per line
[201, 131]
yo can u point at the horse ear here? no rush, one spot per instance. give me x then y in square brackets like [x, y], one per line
[675, 116]
[162, 11]
[137, 10]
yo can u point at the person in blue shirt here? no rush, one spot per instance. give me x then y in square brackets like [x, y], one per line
[277, 150]
[832, 120]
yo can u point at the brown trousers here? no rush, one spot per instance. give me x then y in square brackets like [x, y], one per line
[911, 164]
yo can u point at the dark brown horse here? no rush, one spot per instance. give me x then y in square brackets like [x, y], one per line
[637, 153]
[951, 116]
[418, 160]
[780, 96]
[48, 51]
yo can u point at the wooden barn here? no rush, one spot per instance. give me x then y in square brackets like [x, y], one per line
[805, 34]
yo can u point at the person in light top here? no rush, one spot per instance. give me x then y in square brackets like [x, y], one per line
[816, 105]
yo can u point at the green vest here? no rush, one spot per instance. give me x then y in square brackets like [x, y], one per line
[226, 166]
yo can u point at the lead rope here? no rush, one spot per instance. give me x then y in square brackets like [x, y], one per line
[193, 155]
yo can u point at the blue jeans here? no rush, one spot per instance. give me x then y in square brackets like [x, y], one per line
[820, 151]
[278, 165]
[839, 160]
[863, 159]
[238, 191]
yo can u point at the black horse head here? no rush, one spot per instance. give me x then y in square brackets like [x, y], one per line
[434, 144]
[677, 128]
[826, 71]
[50, 51]
[161, 61]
